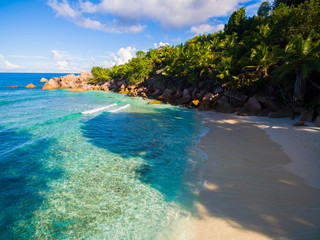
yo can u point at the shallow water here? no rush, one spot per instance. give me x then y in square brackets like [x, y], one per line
[94, 165]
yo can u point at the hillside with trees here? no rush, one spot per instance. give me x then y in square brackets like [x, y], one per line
[275, 53]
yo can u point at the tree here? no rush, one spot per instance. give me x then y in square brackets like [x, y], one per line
[264, 9]
[288, 3]
[302, 56]
[287, 23]
[236, 23]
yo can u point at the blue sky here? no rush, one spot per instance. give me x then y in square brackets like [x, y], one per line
[74, 35]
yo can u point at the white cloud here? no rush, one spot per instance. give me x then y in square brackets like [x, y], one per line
[177, 40]
[170, 14]
[64, 9]
[6, 65]
[253, 8]
[206, 28]
[64, 62]
[27, 57]
[161, 44]
[122, 56]
[92, 61]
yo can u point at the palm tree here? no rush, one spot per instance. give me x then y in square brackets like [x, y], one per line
[263, 56]
[302, 56]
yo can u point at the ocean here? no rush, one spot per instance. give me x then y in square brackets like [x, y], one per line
[94, 165]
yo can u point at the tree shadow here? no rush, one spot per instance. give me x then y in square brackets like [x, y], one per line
[249, 189]
[23, 176]
[162, 139]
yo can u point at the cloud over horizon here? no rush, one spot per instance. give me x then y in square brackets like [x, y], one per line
[5, 65]
[64, 62]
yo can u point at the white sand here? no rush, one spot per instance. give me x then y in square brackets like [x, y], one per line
[254, 187]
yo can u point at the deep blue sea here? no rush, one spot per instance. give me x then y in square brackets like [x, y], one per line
[70, 171]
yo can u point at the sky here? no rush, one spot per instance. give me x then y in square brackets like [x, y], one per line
[68, 36]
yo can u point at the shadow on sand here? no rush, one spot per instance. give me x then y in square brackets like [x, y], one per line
[249, 189]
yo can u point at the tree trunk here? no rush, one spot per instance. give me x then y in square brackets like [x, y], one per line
[299, 87]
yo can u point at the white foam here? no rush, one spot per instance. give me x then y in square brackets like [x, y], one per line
[120, 108]
[99, 109]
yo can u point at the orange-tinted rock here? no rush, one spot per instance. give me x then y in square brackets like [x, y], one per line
[155, 102]
[30, 86]
[51, 84]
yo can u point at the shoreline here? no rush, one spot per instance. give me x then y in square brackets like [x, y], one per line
[255, 187]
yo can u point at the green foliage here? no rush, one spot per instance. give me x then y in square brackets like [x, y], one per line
[100, 74]
[288, 3]
[264, 9]
[236, 23]
[302, 57]
[288, 22]
[250, 52]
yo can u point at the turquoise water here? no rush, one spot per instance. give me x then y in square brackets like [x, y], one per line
[128, 172]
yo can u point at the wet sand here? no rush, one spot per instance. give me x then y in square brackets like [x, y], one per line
[254, 187]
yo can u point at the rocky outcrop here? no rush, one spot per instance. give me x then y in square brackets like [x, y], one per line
[307, 115]
[30, 86]
[76, 83]
[252, 106]
[204, 106]
[317, 121]
[283, 113]
[184, 100]
[204, 96]
[155, 102]
[51, 85]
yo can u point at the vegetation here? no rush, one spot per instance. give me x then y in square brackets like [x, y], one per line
[279, 46]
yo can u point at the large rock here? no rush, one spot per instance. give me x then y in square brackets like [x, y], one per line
[84, 76]
[236, 95]
[167, 92]
[210, 97]
[265, 112]
[194, 103]
[317, 121]
[298, 110]
[43, 80]
[193, 95]
[51, 84]
[68, 81]
[204, 106]
[178, 94]
[252, 106]
[185, 92]
[269, 102]
[184, 100]
[30, 85]
[131, 88]
[122, 87]
[224, 107]
[283, 113]
[155, 102]
[307, 115]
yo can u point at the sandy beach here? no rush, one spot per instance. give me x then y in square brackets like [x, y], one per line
[261, 180]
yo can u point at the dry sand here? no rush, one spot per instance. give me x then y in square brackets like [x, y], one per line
[262, 180]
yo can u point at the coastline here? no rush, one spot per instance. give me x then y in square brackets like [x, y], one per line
[261, 180]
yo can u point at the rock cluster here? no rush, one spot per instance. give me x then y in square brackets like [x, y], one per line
[75, 83]
[216, 98]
